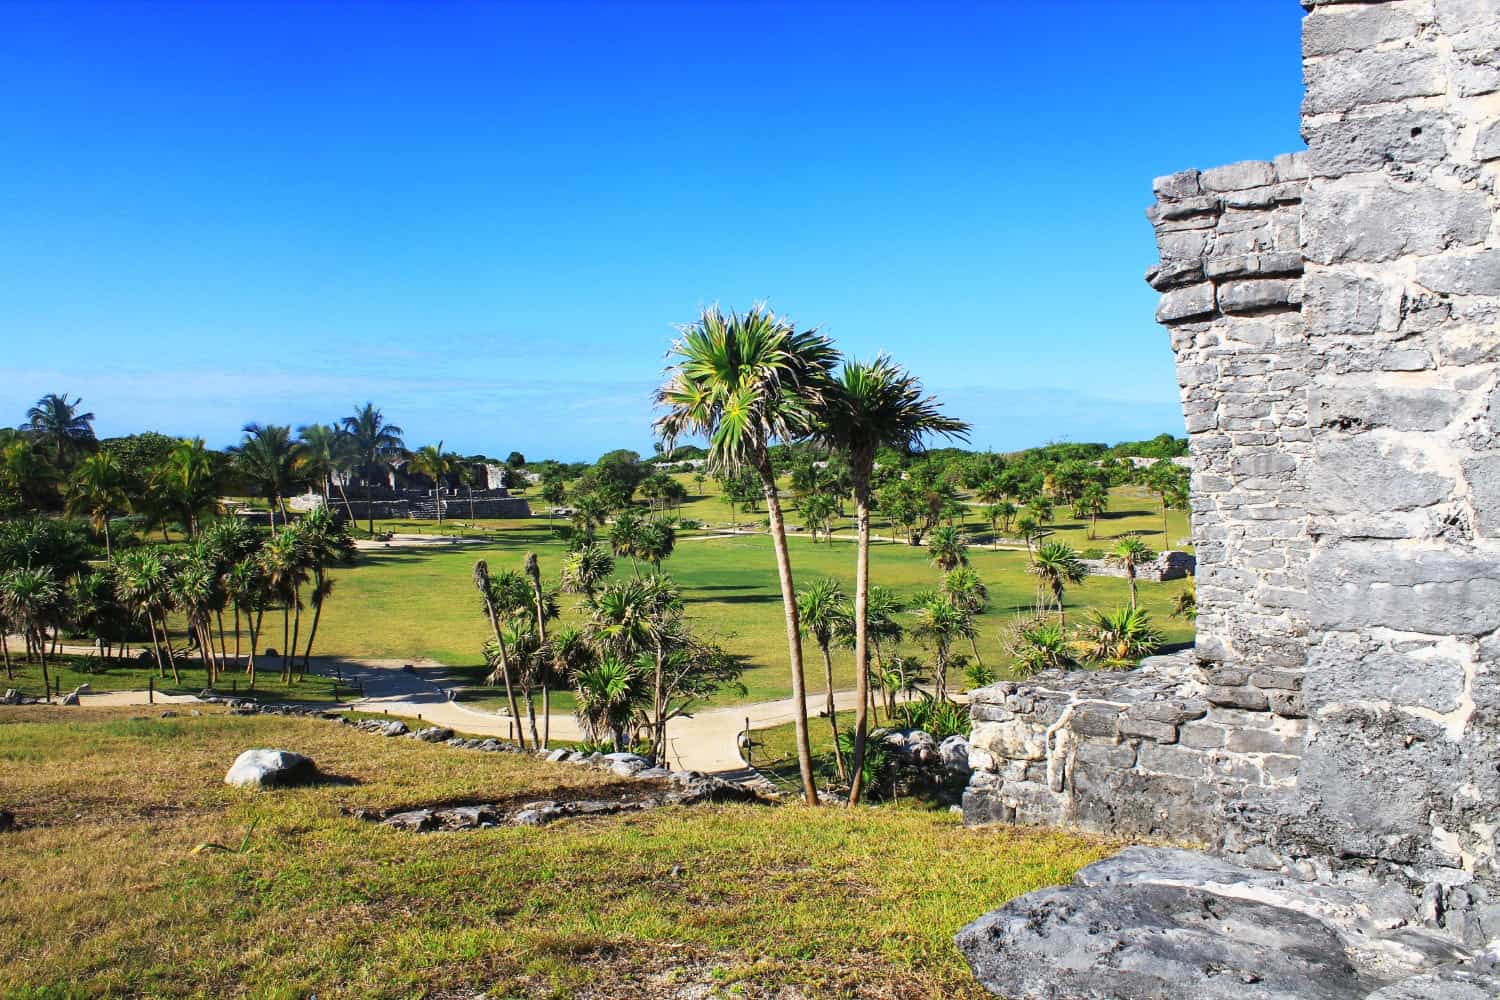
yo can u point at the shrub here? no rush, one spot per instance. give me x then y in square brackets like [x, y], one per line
[939, 719]
[1093, 553]
[978, 675]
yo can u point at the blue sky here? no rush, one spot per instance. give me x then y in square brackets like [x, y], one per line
[488, 217]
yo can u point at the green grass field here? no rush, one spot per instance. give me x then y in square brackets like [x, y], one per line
[417, 603]
[107, 897]
[67, 672]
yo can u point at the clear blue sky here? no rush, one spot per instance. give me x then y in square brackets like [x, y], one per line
[487, 218]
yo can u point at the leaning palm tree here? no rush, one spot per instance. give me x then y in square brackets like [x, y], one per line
[97, 490]
[375, 445]
[59, 429]
[874, 405]
[744, 381]
[1057, 567]
[493, 608]
[267, 458]
[323, 455]
[533, 573]
[823, 611]
[1130, 554]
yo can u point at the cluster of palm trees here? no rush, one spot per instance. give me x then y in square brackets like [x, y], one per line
[744, 381]
[226, 579]
[634, 663]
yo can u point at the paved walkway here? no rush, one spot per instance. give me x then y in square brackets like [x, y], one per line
[705, 741]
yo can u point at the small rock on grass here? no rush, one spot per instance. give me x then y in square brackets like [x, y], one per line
[270, 769]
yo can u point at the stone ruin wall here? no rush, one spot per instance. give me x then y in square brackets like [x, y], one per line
[1335, 317]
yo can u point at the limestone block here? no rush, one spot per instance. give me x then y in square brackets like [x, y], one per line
[1186, 303]
[1366, 474]
[1374, 221]
[1175, 275]
[1255, 296]
[1352, 667]
[1336, 29]
[1399, 408]
[1183, 184]
[1433, 588]
[1238, 176]
[1013, 740]
[1487, 145]
[1359, 79]
[1352, 145]
[1482, 472]
[1462, 274]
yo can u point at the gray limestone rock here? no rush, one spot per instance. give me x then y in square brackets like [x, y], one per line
[270, 769]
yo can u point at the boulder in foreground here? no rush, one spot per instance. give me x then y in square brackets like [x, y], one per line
[270, 769]
[1176, 925]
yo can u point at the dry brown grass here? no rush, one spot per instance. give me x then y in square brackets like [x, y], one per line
[100, 891]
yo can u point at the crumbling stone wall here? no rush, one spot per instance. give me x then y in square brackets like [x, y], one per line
[1336, 322]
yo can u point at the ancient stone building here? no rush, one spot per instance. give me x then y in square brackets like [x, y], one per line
[1335, 317]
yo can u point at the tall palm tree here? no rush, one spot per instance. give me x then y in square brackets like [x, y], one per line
[267, 459]
[323, 453]
[284, 563]
[143, 581]
[325, 544]
[586, 569]
[431, 461]
[1057, 567]
[1093, 502]
[59, 428]
[533, 571]
[375, 444]
[625, 538]
[97, 490]
[823, 611]
[31, 598]
[874, 405]
[1130, 554]
[744, 381]
[947, 548]
[485, 584]
[658, 540]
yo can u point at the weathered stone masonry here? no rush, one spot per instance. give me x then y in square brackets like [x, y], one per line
[1335, 317]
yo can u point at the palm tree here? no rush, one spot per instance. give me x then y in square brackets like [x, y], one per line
[267, 459]
[947, 548]
[31, 598]
[325, 543]
[657, 542]
[585, 570]
[467, 477]
[194, 587]
[609, 692]
[1057, 567]
[1093, 502]
[1119, 639]
[431, 461]
[940, 624]
[323, 453]
[97, 490]
[24, 471]
[143, 583]
[492, 609]
[533, 572]
[823, 611]
[625, 538]
[589, 511]
[375, 444]
[186, 485]
[59, 428]
[874, 405]
[1031, 530]
[1130, 553]
[743, 381]
[965, 591]
[818, 510]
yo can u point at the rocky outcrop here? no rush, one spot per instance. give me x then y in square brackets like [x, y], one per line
[1159, 924]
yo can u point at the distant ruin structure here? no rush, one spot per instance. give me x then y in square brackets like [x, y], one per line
[1335, 317]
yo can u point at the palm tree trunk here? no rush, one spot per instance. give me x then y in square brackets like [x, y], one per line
[510, 693]
[291, 660]
[369, 506]
[171, 656]
[46, 681]
[974, 645]
[1130, 579]
[541, 672]
[793, 627]
[108, 549]
[5, 651]
[833, 718]
[161, 671]
[861, 628]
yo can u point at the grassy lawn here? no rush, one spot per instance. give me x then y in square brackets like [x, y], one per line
[106, 897]
[68, 672]
[421, 603]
